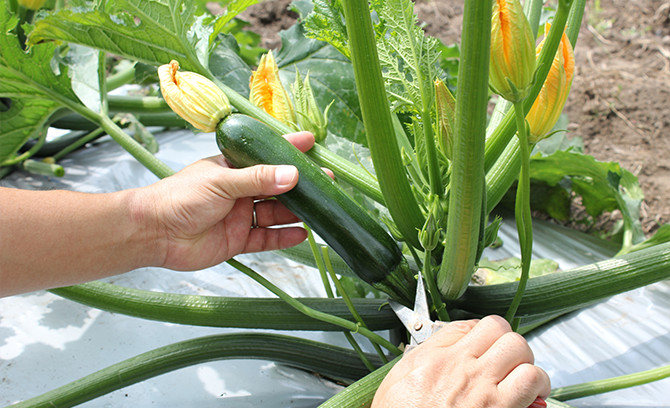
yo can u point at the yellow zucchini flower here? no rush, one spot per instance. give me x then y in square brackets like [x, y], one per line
[268, 93]
[512, 63]
[193, 97]
[548, 106]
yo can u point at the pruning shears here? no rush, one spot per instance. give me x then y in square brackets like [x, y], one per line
[420, 326]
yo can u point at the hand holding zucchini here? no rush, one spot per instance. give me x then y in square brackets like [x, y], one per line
[344, 225]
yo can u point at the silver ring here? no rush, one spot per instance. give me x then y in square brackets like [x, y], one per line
[254, 218]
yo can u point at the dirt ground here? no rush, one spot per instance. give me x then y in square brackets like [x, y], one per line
[620, 99]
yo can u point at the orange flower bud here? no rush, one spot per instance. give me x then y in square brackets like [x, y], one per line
[512, 44]
[32, 4]
[193, 97]
[267, 91]
[548, 106]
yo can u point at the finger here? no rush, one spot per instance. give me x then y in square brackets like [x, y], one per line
[260, 180]
[450, 333]
[484, 335]
[271, 239]
[508, 352]
[523, 385]
[303, 141]
[273, 212]
[329, 172]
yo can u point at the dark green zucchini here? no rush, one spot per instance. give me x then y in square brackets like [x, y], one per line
[348, 228]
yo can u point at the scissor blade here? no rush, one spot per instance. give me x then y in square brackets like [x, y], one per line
[420, 300]
[416, 321]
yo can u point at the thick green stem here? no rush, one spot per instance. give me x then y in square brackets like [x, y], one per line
[522, 213]
[217, 311]
[157, 167]
[325, 317]
[120, 78]
[362, 392]
[137, 104]
[467, 177]
[393, 181]
[610, 384]
[572, 289]
[327, 360]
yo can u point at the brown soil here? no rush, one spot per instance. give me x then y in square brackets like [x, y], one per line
[620, 99]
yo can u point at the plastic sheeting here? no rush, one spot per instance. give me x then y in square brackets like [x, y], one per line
[46, 341]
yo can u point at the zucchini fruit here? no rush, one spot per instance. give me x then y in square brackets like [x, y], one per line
[319, 202]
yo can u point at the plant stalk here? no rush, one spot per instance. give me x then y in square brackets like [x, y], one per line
[330, 361]
[572, 289]
[377, 118]
[467, 168]
[218, 311]
[522, 211]
[610, 384]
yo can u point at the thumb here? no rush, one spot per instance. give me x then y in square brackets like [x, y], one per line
[260, 180]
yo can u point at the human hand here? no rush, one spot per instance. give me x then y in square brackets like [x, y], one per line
[466, 364]
[203, 214]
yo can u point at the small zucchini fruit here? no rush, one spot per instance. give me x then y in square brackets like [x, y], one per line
[319, 202]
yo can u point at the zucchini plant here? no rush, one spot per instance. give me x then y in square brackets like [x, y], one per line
[439, 167]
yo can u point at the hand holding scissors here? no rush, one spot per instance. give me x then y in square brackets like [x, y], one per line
[464, 364]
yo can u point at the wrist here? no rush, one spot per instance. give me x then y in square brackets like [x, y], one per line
[147, 241]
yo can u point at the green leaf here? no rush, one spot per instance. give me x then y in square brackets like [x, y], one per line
[661, 236]
[82, 65]
[409, 58]
[24, 120]
[150, 31]
[604, 186]
[324, 21]
[35, 89]
[331, 76]
[508, 270]
[227, 65]
[233, 9]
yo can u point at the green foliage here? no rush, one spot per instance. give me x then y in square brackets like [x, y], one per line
[409, 57]
[30, 82]
[154, 32]
[508, 270]
[324, 21]
[232, 9]
[603, 186]
[332, 80]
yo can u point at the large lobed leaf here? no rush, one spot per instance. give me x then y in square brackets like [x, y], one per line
[603, 186]
[29, 80]
[150, 31]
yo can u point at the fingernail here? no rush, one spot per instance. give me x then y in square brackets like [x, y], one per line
[284, 175]
[538, 403]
